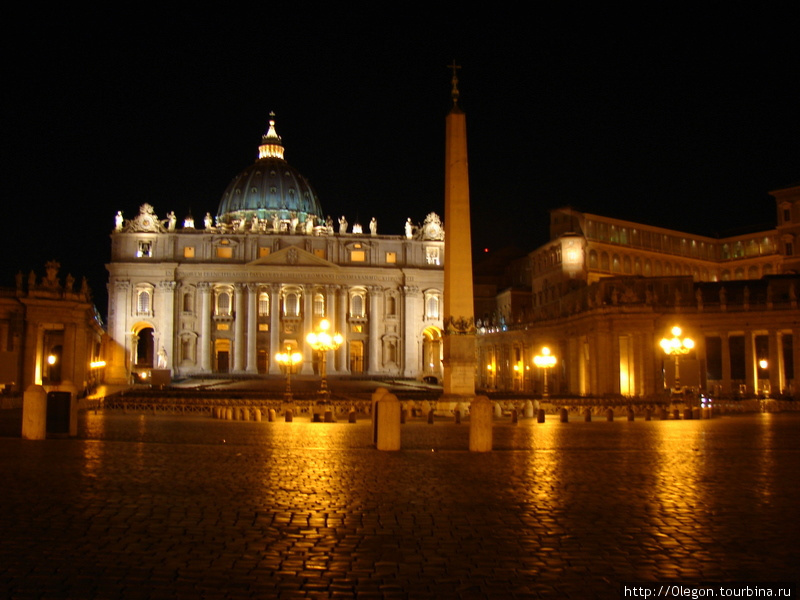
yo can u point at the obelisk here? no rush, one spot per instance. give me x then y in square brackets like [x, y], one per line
[459, 308]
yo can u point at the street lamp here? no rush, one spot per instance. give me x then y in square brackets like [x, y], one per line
[288, 360]
[677, 347]
[545, 361]
[322, 341]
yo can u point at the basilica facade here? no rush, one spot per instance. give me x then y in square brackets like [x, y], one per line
[225, 295]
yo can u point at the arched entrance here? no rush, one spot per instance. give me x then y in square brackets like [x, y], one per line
[144, 352]
[432, 353]
[356, 356]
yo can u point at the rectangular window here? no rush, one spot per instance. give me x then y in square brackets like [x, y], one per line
[222, 327]
[357, 256]
[391, 257]
[432, 256]
[356, 328]
[320, 252]
[262, 252]
[263, 326]
[223, 252]
[188, 252]
[145, 249]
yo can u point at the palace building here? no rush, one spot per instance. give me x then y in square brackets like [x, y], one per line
[603, 292]
[227, 294]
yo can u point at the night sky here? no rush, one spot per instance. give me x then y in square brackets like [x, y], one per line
[686, 121]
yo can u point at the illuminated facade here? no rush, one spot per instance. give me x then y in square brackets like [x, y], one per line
[226, 295]
[603, 292]
[50, 333]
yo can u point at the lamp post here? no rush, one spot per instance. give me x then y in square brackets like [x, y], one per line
[322, 342]
[677, 347]
[288, 360]
[545, 361]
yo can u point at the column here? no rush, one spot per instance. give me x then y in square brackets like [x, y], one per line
[238, 328]
[204, 289]
[274, 328]
[726, 363]
[341, 322]
[308, 327]
[252, 328]
[335, 363]
[412, 300]
[750, 362]
[375, 319]
[166, 320]
[117, 370]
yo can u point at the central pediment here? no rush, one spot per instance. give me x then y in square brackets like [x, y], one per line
[292, 256]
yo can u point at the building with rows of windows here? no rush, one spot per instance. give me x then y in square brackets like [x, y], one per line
[603, 292]
[226, 295]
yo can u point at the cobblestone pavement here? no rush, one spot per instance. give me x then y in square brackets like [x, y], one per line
[157, 507]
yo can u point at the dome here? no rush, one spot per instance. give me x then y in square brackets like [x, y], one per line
[269, 187]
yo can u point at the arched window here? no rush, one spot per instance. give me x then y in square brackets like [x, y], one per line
[224, 303]
[263, 304]
[319, 305]
[291, 304]
[143, 302]
[357, 305]
[431, 305]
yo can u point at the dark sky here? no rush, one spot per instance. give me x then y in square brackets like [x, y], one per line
[679, 120]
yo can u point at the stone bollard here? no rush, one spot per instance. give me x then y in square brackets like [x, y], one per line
[376, 395]
[498, 410]
[610, 414]
[587, 415]
[676, 414]
[705, 412]
[257, 415]
[272, 415]
[514, 416]
[288, 416]
[687, 414]
[351, 417]
[430, 417]
[457, 415]
[528, 410]
[388, 423]
[229, 414]
[245, 414]
[480, 425]
[34, 413]
[647, 414]
[540, 416]
[328, 416]
[663, 414]
[631, 414]
[564, 415]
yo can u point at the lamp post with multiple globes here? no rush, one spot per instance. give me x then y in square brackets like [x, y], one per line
[676, 346]
[288, 360]
[322, 341]
[545, 361]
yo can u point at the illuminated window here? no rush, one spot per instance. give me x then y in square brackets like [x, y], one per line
[357, 256]
[357, 305]
[145, 249]
[263, 304]
[263, 252]
[222, 327]
[143, 302]
[431, 305]
[391, 257]
[263, 326]
[319, 305]
[188, 252]
[432, 256]
[291, 304]
[320, 252]
[224, 252]
[224, 303]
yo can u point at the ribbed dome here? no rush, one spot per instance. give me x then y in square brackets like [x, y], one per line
[269, 186]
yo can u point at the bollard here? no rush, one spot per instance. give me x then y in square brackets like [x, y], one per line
[610, 414]
[646, 414]
[288, 416]
[587, 415]
[528, 410]
[457, 414]
[663, 414]
[229, 414]
[34, 413]
[630, 414]
[564, 415]
[257, 415]
[271, 415]
[351, 417]
[498, 411]
[388, 423]
[687, 414]
[376, 395]
[480, 425]
[676, 414]
[403, 412]
[514, 416]
[430, 417]
[329, 416]
[540, 416]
